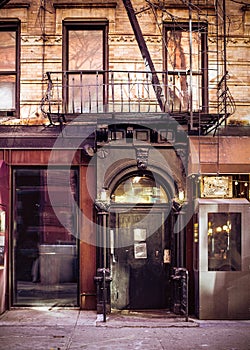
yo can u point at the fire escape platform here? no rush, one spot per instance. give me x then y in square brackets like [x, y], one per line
[202, 122]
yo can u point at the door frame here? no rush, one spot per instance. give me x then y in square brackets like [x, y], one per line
[166, 247]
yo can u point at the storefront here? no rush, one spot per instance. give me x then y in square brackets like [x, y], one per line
[42, 191]
[222, 250]
[220, 228]
[122, 205]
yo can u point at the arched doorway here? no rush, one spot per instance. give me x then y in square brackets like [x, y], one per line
[140, 242]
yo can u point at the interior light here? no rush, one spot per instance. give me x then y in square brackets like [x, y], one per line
[181, 195]
[136, 179]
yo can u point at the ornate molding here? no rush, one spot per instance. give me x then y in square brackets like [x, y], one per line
[81, 4]
[233, 40]
[39, 39]
[17, 4]
[102, 206]
[142, 157]
[131, 38]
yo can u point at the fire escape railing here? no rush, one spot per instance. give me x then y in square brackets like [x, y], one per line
[226, 104]
[81, 92]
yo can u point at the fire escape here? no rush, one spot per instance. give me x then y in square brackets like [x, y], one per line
[150, 93]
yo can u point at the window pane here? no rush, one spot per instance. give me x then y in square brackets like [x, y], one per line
[7, 51]
[85, 93]
[178, 43]
[224, 241]
[85, 50]
[7, 92]
[139, 189]
[45, 251]
[184, 88]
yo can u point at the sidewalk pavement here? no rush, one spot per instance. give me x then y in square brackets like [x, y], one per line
[70, 329]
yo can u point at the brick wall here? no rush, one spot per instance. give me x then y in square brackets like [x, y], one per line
[41, 42]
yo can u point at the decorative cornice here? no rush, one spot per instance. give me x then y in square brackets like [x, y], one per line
[39, 39]
[175, 6]
[80, 4]
[131, 38]
[232, 40]
[14, 5]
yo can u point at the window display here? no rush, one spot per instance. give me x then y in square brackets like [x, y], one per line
[45, 251]
[224, 241]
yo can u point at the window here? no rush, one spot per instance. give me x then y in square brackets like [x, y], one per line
[224, 241]
[85, 60]
[9, 68]
[45, 245]
[186, 64]
[139, 189]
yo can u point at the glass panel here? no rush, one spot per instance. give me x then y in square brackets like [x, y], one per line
[85, 93]
[224, 241]
[139, 189]
[178, 43]
[7, 51]
[7, 92]
[85, 50]
[178, 59]
[45, 252]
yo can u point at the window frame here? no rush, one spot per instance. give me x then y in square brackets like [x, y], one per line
[101, 25]
[13, 26]
[203, 29]
[225, 245]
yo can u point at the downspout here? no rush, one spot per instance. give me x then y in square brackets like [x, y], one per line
[144, 51]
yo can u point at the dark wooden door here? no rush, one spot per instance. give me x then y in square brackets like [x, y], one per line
[142, 276]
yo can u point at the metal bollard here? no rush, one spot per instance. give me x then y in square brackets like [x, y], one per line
[103, 280]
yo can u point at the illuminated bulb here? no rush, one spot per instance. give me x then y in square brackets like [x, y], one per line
[236, 183]
[246, 184]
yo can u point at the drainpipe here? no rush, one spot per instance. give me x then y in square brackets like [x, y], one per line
[144, 51]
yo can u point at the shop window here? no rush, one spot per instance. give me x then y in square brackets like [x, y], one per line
[224, 241]
[139, 189]
[241, 186]
[85, 54]
[186, 64]
[45, 249]
[9, 68]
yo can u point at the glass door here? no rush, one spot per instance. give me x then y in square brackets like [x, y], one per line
[45, 253]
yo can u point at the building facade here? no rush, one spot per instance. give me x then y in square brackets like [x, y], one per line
[124, 145]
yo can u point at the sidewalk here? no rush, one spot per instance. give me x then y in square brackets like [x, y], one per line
[70, 329]
[69, 317]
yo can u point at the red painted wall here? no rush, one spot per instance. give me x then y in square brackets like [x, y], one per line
[4, 205]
